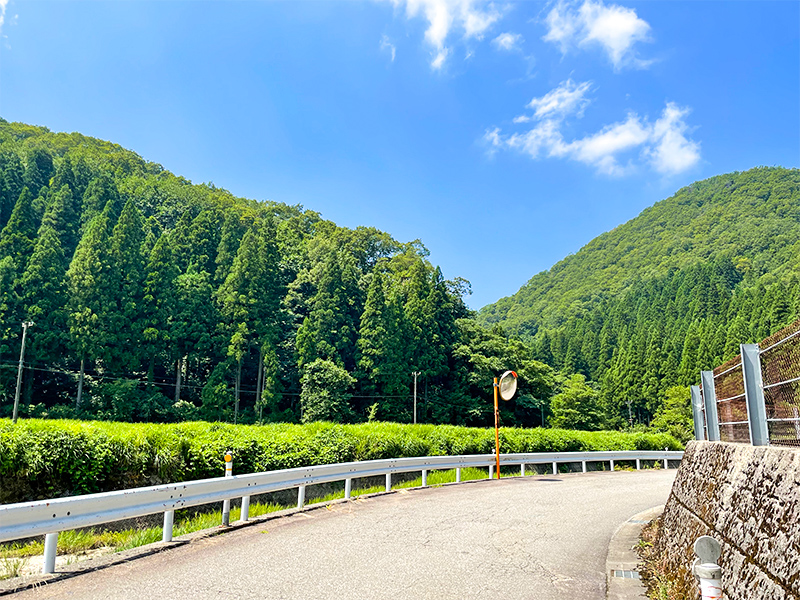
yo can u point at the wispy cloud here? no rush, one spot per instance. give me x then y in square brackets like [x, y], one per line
[508, 41]
[3, 6]
[568, 98]
[387, 45]
[615, 149]
[472, 17]
[613, 28]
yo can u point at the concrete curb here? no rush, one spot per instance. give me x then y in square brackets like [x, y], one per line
[622, 563]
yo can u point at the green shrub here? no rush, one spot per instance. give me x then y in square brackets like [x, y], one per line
[52, 458]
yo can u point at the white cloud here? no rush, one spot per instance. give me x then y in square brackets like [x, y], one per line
[473, 17]
[616, 29]
[566, 99]
[508, 41]
[673, 152]
[615, 149]
[387, 45]
[3, 5]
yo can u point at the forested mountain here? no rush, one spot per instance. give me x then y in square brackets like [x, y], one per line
[649, 304]
[156, 299]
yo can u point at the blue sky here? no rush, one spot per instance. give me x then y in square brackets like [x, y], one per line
[505, 135]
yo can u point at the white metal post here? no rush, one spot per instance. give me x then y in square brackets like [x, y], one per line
[583, 466]
[710, 400]
[522, 470]
[612, 465]
[666, 460]
[348, 486]
[491, 471]
[555, 468]
[245, 508]
[638, 464]
[388, 482]
[424, 477]
[226, 504]
[50, 547]
[169, 517]
[301, 496]
[458, 475]
[754, 394]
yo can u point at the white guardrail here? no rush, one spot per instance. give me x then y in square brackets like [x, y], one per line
[28, 519]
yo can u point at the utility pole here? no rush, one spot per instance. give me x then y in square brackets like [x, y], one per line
[415, 373]
[25, 325]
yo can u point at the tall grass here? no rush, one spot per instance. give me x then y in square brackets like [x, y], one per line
[50, 458]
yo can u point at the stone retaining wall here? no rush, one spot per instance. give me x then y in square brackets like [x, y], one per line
[748, 498]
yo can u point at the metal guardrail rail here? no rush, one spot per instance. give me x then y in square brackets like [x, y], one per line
[49, 517]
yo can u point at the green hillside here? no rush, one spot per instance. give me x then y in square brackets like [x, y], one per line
[648, 304]
[155, 299]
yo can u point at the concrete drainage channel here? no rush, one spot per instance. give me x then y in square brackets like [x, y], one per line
[622, 564]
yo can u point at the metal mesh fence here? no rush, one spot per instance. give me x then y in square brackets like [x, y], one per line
[731, 403]
[780, 371]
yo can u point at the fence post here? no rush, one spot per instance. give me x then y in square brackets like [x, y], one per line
[50, 547]
[754, 394]
[555, 468]
[522, 470]
[424, 477]
[458, 474]
[348, 486]
[710, 400]
[169, 516]
[301, 496]
[388, 482]
[226, 504]
[245, 515]
[697, 413]
[491, 471]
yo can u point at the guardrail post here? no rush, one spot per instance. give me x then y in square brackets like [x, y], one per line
[638, 464]
[348, 487]
[754, 394]
[697, 413]
[612, 464]
[666, 459]
[522, 470]
[424, 477]
[169, 517]
[226, 504]
[583, 466]
[301, 496]
[388, 482]
[491, 471]
[50, 547]
[245, 508]
[710, 401]
[458, 474]
[555, 468]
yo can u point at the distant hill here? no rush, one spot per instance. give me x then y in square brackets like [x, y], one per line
[674, 290]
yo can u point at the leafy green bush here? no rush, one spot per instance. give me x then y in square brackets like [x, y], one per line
[49, 458]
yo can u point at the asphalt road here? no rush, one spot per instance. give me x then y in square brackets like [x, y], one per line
[537, 538]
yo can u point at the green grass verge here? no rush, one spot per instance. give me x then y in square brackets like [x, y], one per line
[51, 458]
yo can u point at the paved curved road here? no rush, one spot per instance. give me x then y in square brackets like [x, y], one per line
[537, 538]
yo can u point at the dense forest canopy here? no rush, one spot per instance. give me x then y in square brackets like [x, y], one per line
[675, 290]
[156, 299]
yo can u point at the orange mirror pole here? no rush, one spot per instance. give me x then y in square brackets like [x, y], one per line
[496, 429]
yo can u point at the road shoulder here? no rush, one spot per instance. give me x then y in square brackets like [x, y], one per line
[622, 563]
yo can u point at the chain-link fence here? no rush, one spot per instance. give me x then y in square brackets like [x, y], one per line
[774, 392]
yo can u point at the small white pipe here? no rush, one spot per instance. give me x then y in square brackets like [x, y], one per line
[388, 482]
[458, 475]
[424, 478]
[612, 465]
[522, 470]
[348, 487]
[555, 468]
[491, 471]
[169, 517]
[638, 464]
[301, 496]
[583, 466]
[50, 547]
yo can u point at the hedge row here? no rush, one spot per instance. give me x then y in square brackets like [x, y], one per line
[48, 458]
